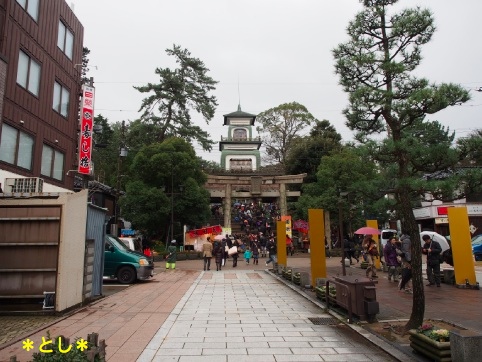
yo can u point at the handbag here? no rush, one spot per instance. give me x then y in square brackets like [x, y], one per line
[233, 250]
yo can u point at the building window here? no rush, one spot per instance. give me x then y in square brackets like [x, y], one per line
[52, 163]
[16, 147]
[31, 6]
[28, 73]
[61, 99]
[65, 41]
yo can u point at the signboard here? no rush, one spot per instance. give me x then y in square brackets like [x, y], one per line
[421, 213]
[442, 210]
[287, 220]
[86, 125]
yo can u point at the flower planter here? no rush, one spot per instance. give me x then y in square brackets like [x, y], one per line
[321, 294]
[181, 256]
[193, 256]
[286, 273]
[436, 351]
[297, 278]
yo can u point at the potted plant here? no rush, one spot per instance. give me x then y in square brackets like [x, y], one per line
[431, 342]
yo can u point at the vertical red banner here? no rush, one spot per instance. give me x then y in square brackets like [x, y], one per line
[86, 126]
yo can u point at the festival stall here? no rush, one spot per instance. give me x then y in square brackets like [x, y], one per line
[196, 238]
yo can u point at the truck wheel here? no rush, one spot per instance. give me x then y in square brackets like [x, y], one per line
[126, 275]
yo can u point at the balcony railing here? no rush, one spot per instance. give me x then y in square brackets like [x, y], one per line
[241, 139]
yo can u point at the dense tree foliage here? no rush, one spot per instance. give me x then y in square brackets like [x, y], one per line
[106, 149]
[85, 65]
[168, 106]
[470, 148]
[306, 152]
[280, 126]
[376, 69]
[162, 173]
[345, 171]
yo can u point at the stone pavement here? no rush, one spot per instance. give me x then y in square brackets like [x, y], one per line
[187, 314]
[249, 316]
[127, 320]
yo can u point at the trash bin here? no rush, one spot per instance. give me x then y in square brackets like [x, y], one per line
[358, 294]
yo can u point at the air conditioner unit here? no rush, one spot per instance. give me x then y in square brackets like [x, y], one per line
[23, 185]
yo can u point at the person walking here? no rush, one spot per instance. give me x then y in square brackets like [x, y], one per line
[255, 251]
[390, 255]
[272, 250]
[406, 255]
[247, 255]
[171, 256]
[235, 255]
[432, 249]
[289, 246]
[218, 252]
[351, 250]
[207, 253]
[371, 252]
[262, 243]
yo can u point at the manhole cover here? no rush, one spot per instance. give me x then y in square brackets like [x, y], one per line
[324, 321]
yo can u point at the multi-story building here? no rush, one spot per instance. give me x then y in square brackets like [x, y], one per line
[41, 44]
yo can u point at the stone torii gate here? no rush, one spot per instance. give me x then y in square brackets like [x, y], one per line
[253, 186]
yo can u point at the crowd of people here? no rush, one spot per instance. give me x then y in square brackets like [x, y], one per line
[250, 246]
[396, 253]
[397, 256]
[256, 217]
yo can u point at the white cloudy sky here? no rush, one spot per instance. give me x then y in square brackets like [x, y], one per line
[277, 51]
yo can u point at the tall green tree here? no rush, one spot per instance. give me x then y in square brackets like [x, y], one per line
[280, 126]
[169, 103]
[157, 172]
[376, 68]
[305, 154]
[105, 151]
[85, 65]
[470, 148]
[347, 170]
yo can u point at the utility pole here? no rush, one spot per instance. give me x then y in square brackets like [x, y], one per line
[172, 203]
[122, 153]
[340, 226]
[342, 242]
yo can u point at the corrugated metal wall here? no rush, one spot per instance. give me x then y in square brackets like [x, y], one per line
[96, 231]
[29, 247]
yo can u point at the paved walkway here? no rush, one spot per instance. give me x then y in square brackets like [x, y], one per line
[250, 316]
[127, 320]
[189, 315]
[186, 315]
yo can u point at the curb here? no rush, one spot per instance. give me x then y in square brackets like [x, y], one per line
[373, 338]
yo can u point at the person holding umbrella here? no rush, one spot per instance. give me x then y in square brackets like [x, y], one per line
[371, 251]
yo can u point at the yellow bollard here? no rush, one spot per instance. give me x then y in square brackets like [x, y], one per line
[316, 222]
[281, 242]
[464, 266]
[374, 224]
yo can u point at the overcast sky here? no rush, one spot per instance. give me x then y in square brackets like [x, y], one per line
[276, 51]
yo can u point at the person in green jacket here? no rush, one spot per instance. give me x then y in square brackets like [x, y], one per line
[171, 257]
